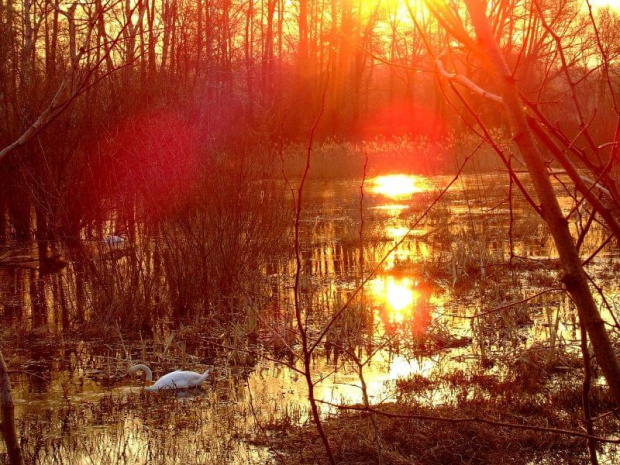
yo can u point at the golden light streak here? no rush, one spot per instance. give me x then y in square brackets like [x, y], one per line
[391, 208]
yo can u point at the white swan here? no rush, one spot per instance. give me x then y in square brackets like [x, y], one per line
[113, 241]
[175, 380]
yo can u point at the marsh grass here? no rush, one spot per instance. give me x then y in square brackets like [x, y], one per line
[411, 441]
[202, 254]
[550, 402]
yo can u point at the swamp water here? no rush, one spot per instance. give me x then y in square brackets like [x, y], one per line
[75, 405]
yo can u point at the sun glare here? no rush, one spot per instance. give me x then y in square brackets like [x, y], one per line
[397, 185]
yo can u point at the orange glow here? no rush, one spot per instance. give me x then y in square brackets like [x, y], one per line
[398, 185]
[403, 119]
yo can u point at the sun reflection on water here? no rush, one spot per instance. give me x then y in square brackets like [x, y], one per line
[400, 298]
[398, 294]
[398, 185]
[396, 232]
[391, 208]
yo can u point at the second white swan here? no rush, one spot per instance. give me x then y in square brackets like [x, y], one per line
[175, 380]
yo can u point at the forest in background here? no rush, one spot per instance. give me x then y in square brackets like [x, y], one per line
[108, 101]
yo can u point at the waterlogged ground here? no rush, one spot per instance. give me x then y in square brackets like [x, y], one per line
[75, 404]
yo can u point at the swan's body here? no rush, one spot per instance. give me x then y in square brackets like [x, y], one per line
[113, 240]
[176, 380]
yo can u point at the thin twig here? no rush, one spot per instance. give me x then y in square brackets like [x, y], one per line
[301, 326]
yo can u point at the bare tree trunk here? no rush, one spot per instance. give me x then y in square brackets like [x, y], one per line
[268, 53]
[165, 6]
[27, 59]
[585, 395]
[3, 222]
[151, 48]
[51, 35]
[102, 38]
[72, 34]
[574, 277]
[280, 28]
[8, 417]
[199, 38]
[302, 47]
[248, 51]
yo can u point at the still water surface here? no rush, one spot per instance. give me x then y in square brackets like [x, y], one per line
[75, 405]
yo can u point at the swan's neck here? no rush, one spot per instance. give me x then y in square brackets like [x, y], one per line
[140, 367]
